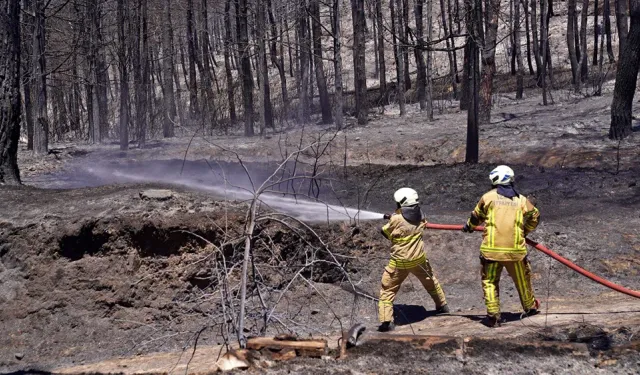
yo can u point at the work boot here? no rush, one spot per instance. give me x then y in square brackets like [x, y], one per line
[444, 309]
[491, 321]
[386, 327]
[534, 309]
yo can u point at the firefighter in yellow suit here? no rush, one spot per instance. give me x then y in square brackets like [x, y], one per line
[404, 230]
[508, 217]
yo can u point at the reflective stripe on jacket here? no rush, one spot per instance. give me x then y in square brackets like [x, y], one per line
[407, 246]
[507, 222]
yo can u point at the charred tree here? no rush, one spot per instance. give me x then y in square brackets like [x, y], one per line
[544, 46]
[571, 46]
[622, 22]
[450, 49]
[596, 33]
[518, 50]
[453, 43]
[245, 65]
[464, 91]
[491, 14]
[474, 25]
[584, 55]
[266, 111]
[626, 78]
[382, 68]
[400, 60]
[607, 29]
[337, 66]
[26, 70]
[167, 74]
[359, 51]
[527, 31]
[422, 67]
[325, 106]
[207, 71]
[123, 19]
[536, 41]
[9, 91]
[404, 37]
[303, 73]
[140, 66]
[278, 61]
[39, 77]
[194, 107]
[228, 41]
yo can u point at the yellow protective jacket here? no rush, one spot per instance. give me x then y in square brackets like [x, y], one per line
[407, 246]
[507, 222]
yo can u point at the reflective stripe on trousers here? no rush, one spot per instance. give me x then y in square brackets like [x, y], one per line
[520, 272]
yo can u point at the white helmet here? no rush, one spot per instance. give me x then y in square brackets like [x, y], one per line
[406, 197]
[502, 175]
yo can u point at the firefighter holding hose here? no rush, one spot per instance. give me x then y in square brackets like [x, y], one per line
[404, 230]
[508, 218]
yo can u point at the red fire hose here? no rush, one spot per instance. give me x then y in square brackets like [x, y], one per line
[544, 249]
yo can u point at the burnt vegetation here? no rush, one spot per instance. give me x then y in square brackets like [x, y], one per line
[98, 71]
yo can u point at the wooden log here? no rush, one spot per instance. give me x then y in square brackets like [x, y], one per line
[308, 348]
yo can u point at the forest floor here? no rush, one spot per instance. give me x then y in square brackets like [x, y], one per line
[97, 278]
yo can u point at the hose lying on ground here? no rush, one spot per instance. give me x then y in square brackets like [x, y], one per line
[566, 262]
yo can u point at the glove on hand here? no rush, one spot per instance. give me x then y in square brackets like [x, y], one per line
[467, 228]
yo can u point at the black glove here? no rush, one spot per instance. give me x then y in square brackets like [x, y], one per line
[386, 216]
[467, 228]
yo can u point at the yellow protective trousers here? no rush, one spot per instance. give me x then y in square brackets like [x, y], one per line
[395, 273]
[520, 272]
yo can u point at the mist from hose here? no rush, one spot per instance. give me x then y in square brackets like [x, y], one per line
[301, 208]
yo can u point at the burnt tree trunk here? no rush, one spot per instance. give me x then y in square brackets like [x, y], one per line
[194, 107]
[382, 68]
[400, 61]
[474, 25]
[337, 66]
[39, 76]
[123, 17]
[325, 105]
[622, 22]
[450, 52]
[404, 35]
[303, 72]
[518, 50]
[245, 65]
[536, 40]
[228, 40]
[464, 92]
[453, 43]
[527, 28]
[9, 91]
[571, 45]
[544, 46]
[278, 62]
[607, 29]
[596, 33]
[266, 110]
[626, 78]
[167, 66]
[359, 51]
[421, 81]
[584, 55]
[491, 14]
